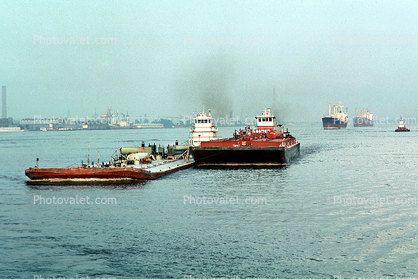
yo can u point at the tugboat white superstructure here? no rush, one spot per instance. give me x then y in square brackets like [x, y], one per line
[203, 129]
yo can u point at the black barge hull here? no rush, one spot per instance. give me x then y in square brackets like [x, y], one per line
[244, 155]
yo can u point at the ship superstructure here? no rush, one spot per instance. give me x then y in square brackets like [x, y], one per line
[363, 118]
[203, 129]
[337, 120]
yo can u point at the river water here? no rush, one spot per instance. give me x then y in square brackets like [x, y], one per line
[347, 208]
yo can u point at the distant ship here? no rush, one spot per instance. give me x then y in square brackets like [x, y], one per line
[337, 120]
[363, 118]
[401, 126]
[265, 145]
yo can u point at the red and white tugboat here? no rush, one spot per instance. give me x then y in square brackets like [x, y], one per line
[265, 145]
[401, 126]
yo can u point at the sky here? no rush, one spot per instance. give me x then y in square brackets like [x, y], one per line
[169, 58]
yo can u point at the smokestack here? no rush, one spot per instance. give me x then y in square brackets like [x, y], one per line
[4, 111]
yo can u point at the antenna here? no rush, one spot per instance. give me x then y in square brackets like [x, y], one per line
[274, 101]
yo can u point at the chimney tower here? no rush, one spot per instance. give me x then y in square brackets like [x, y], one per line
[4, 111]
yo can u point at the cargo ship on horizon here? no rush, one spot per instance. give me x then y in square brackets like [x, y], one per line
[265, 145]
[337, 120]
[363, 118]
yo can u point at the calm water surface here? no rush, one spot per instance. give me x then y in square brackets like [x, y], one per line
[347, 208]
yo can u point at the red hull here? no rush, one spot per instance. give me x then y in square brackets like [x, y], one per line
[271, 148]
[272, 138]
[98, 173]
[250, 142]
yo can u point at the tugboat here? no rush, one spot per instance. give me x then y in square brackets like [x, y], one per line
[203, 129]
[265, 145]
[127, 163]
[401, 126]
[337, 120]
[363, 118]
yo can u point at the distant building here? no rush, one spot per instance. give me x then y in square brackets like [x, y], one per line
[32, 124]
[6, 122]
[57, 123]
[4, 107]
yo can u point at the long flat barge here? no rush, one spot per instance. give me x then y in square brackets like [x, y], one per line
[153, 171]
[130, 163]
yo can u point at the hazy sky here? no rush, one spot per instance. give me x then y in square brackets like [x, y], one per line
[169, 57]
